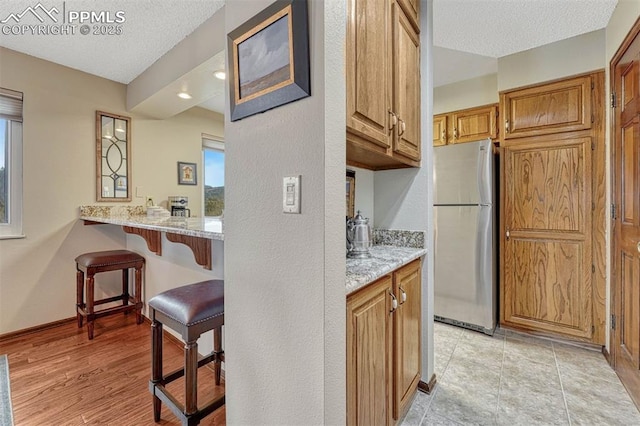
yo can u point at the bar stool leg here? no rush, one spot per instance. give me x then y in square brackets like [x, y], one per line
[217, 348]
[156, 363]
[191, 377]
[125, 288]
[90, 317]
[79, 296]
[138, 295]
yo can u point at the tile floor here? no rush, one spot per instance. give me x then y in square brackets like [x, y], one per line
[512, 379]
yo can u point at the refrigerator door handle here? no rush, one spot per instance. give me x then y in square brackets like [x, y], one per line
[484, 251]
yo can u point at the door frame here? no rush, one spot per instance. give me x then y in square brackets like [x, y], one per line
[613, 254]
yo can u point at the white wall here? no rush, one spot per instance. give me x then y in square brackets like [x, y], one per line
[37, 273]
[364, 193]
[624, 16]
[285, 273]
[564, 58]
[466, 94]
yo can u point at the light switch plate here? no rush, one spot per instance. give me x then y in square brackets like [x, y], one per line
[291, 194]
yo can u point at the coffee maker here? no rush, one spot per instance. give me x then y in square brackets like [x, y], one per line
[178, 204]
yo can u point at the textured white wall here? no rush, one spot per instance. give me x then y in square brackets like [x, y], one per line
[572, 56]
[466, 94]
[364, 192]
[37, 274]
[284, 274]
[624, 16]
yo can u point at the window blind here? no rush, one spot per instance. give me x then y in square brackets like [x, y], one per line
[10, 104]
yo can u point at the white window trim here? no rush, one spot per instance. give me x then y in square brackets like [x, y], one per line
[13, 229]
[209, 142]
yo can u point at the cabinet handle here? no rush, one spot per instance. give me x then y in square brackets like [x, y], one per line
[403, 298]
[508, 235]
[444, 134]
[403, 127]
[455, 133]
[394, 120]
[506, 126]
[394, 302]
[638, 247]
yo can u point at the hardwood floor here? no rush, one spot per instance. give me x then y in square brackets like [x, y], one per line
[59, 377]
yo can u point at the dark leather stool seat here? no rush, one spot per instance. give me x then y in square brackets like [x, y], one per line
[104, 261]
[190, 310]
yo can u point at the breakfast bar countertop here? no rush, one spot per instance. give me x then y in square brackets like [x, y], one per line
[384, 259]
[208, 228]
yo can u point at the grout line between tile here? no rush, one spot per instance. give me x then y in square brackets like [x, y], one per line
[504, 348]
[564, 396]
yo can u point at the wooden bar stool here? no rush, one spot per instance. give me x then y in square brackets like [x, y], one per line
[190, 310]
[103, 261]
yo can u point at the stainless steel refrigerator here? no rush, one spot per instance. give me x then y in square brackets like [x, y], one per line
[464, 215]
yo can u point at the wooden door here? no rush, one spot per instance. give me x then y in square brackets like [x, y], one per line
[563, 106]
[440, 130]
[369, 354]
[474, 124]
[368, 71]
[406, 86]
[546, 276]
[625, 70]
[406, 336]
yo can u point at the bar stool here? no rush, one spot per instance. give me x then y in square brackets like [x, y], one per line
[190, 310]
[103, 261]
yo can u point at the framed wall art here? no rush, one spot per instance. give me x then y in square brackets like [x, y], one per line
[187, 173]
[351, 193]
[269, 59]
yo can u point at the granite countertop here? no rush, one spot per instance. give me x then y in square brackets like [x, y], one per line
[208, 228]
[384, 258]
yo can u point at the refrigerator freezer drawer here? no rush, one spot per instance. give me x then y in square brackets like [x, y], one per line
[465, 285]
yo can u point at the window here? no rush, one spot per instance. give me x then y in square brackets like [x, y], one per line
[213, 153]
[10, 164]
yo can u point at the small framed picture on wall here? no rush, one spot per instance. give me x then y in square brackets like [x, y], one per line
[187, 173]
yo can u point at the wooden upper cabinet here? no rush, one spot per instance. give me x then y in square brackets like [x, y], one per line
[368, 71]
[467, 125]
[406, 90]
[407, 326]
[562, 106]
[440, 129]
[474, 124]
[383, 84]
[412, 10]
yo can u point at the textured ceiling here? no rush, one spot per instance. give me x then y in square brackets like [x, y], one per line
[498, 28]
[150, 29]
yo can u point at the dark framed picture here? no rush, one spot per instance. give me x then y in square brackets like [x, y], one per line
[351, 193]
[187, 173]
[269, 59]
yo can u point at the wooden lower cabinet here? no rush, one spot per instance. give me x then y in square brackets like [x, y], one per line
[383, 347]
[406, 336]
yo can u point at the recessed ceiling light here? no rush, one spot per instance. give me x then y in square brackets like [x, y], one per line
[220, 74]
[184, 95]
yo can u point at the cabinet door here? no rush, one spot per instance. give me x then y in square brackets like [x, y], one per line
[406, 86]
[369, 354]
[547, 279]
[474, 124]
[440, 130]
[406, 336]
[564, 106]
[412, 9]
[368, 70]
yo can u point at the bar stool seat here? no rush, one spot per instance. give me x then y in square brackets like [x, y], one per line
[190, 310]
[103, 261]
